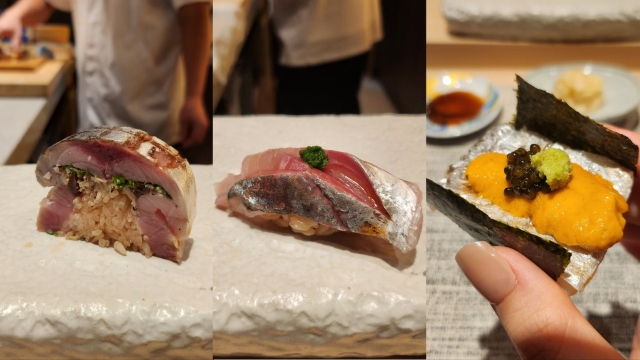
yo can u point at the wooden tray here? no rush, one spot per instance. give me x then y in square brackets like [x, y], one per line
[21, 64]
[37, 82]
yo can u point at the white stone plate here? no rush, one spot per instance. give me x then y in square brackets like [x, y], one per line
[278, 294]
[621, 89]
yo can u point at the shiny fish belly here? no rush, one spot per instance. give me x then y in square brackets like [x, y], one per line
[300, 194]
[505, 139]
[311, 198]
[314, 195]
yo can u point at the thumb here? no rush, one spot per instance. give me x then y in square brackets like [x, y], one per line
[539, 317]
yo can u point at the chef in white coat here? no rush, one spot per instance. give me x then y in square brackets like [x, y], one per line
[129, 61]
[324, 50]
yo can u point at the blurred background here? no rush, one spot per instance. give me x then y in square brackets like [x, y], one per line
[250, 37]
[39, 93]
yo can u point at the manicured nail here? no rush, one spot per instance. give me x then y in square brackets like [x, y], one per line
[489, 273]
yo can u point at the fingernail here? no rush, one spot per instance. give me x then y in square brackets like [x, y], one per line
[489, 273]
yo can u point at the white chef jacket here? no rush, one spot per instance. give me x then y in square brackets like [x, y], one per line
[127, 60]
[318, 31]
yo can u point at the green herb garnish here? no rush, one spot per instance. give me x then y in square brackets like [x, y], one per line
[78, 171]
[121, 182]
[51, 232]
[314, 156]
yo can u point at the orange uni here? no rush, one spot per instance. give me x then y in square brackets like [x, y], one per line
[585, 213]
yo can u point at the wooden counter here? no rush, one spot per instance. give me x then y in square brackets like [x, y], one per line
[25, 114]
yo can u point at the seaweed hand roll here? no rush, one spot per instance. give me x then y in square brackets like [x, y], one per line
[560, 204]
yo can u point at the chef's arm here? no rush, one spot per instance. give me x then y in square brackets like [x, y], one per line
[23, 13]
[195, 32]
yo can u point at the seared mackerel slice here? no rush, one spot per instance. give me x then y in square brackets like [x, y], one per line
[161, 187]
[347, 195]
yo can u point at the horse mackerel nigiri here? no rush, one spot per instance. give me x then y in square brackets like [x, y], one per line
[347, 194]
[121, 187]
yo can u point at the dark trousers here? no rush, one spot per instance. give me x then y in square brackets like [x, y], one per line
[330, 88]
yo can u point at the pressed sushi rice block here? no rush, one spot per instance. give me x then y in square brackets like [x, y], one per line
[120, 187]
[348, 194]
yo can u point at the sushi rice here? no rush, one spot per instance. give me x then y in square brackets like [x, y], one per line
[104, 215]
[299, 224]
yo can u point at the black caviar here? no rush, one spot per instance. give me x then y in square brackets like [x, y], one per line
[525, 180]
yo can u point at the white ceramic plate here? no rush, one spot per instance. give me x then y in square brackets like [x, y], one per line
[621, 90]
[456, 82]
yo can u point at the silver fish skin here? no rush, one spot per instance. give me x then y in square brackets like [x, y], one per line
[505, 139]
[133, 154]
[308, 196]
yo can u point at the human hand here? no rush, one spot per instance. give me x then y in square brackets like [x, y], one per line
[540, 318]
[538, 315]
[11, 27]
[193, 123]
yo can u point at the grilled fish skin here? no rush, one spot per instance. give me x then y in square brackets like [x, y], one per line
[349, 194]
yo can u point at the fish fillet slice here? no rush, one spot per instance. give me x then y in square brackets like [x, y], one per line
[92, 208]
[347, 195]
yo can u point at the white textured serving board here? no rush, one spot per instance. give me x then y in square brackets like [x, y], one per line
[75, 300]
[545, 20]
[280, 294]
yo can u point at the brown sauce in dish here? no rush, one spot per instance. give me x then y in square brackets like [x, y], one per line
[454, 108]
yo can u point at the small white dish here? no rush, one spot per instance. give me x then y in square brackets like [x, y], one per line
[620, 89]
[477, 85]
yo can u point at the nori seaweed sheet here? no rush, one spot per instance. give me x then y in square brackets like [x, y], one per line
[539, 111]
[548, 256]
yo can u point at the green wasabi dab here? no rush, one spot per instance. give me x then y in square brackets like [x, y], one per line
[555, 165]
[314, 156]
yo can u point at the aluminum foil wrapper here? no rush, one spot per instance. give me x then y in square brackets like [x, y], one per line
[505, 139]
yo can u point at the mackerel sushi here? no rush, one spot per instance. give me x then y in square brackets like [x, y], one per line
[317, 192]
[564, 226]
[118, 187]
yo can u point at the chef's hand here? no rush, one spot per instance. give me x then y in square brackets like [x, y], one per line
[194, 123]
[539, 317]
[23, 13]
[11, 28]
